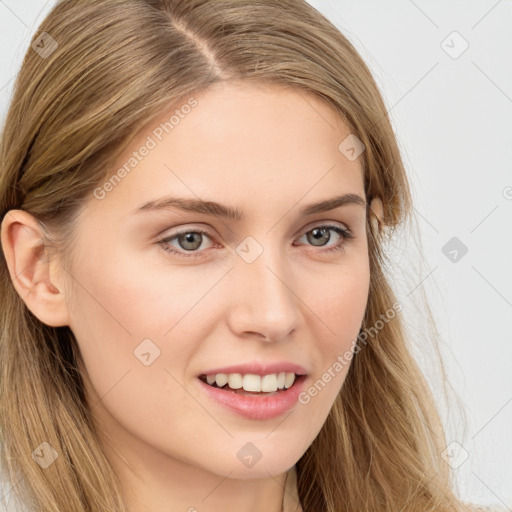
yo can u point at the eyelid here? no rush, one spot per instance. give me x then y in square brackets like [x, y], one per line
[324, 223]
[189, 229]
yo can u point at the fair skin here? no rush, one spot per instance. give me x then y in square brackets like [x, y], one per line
[268, 151]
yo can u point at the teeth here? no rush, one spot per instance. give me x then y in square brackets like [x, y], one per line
[251, 382]
[268, 383]
[235, 380]
[289, 380]
[221, 378]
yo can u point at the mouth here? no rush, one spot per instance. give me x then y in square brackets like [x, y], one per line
[252, 384]
[257, 397]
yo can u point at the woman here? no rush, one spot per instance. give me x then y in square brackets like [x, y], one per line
[195, 196]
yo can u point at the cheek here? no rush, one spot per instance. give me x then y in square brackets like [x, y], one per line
[132, 368]
[112, 313]
[338, 314]
[342, 302]
[133, 297]
[127, 315]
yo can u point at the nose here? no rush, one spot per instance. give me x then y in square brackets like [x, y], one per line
[263, 302]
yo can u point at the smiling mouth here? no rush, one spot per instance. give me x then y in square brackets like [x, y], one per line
[249, 384]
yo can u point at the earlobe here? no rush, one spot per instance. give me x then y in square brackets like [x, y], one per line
[31, 269]
[376, 213]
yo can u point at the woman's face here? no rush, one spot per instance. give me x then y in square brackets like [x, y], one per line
[162, 295]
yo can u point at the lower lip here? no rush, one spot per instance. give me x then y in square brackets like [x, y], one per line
[257, 407]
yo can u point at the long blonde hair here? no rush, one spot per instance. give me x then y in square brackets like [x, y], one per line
[109, 68]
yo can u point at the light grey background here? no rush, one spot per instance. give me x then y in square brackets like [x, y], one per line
[453, 117]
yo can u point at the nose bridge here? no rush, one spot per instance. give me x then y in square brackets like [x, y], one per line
[265, 302]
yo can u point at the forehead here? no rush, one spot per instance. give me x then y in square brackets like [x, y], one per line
[240, 141]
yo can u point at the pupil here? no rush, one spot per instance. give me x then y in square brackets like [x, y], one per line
[324, 235]
[188, 238]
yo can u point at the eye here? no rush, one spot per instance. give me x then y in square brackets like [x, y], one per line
[190, 241]
[319, 236]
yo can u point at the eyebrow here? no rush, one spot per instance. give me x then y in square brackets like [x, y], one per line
[220, 210]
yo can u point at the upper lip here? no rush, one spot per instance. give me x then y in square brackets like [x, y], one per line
[259, 368]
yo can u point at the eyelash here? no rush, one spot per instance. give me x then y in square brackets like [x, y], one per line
[346, 234]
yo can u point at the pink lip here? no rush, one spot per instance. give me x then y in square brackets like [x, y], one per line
[256, 407]
[257, 368]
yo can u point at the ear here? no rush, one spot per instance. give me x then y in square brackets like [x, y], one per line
[33, 274]
[376, 213]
